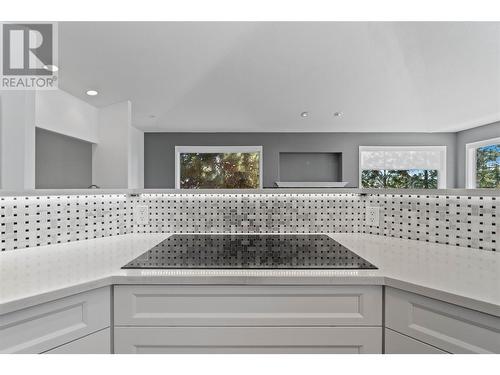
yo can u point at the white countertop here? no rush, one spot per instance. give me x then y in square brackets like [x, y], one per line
[467, 277]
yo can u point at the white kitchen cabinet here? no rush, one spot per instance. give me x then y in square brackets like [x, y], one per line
[156, 340]
[396, 343]
[247, 319]
[446, 326]
[40, 328]
[95, 343]
[266, 305]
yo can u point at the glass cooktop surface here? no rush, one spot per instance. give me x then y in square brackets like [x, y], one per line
[226, 251]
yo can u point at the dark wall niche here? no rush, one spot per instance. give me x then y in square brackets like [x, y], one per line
[310, 166]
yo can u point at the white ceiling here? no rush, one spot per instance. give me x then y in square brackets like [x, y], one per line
[194, 76]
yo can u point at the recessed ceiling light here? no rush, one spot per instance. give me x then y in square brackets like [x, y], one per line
[338, 114]
[51, 68]
[304, 114]
[92, 93]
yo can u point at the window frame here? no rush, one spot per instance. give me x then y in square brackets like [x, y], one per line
[442, 172]
[470, 160]
[215, 150]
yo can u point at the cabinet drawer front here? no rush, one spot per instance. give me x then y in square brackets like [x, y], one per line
[449, 327]
[95, 343]
[152, 340]
[43, 327]
[396, 343]
[211, 305]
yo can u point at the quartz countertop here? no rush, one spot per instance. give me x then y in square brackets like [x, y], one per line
[463, 276]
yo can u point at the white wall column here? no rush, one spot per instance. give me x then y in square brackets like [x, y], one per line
[118, 157]
[136, 159]
[110, 154]
[17, 140]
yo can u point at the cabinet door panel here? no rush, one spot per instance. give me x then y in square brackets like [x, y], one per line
[95, 343]
[269, 305]
[43, 327]
[396, 343]
[449, 327]
[155, 340]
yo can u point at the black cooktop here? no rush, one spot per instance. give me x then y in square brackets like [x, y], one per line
[225, 251]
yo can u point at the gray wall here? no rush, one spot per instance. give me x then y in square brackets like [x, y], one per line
[62, 162]
[480, 133]
[159, 150]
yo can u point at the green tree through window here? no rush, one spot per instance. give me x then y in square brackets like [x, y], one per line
[488, 166]
[400, 179]
[238, 170]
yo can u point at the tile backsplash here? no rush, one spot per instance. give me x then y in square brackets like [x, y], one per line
[44, 220]
[469, 221]
[41, 220]
[252, 213]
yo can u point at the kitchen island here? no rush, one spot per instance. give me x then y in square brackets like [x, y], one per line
[414, 302]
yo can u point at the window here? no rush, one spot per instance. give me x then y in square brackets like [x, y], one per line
[483, 164]
[218, 167]
[412, 167]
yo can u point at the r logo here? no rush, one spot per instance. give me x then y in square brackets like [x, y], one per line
[27, 49]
